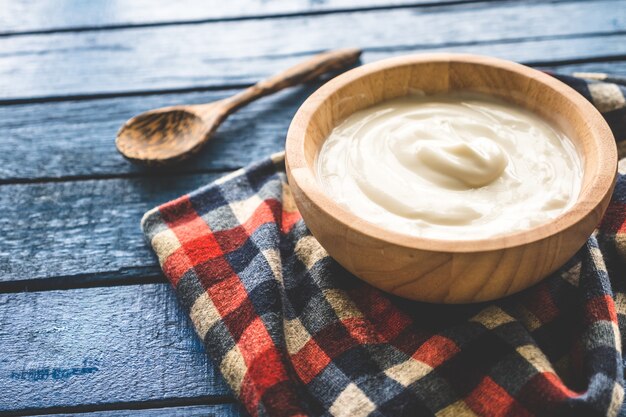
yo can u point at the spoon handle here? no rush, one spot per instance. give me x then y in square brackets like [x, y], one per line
[298, 74]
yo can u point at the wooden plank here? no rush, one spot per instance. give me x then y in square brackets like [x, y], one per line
[99, 346]
[43, 16]
[218, 410]
[216, 54]
[74, 232]
[75, 138]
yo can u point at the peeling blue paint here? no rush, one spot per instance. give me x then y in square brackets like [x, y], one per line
[43, 374]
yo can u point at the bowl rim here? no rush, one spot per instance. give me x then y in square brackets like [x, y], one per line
[600, 184]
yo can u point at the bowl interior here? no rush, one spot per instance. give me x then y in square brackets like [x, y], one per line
[527, 88]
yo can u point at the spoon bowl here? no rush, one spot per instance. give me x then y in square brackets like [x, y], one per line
[163, 134]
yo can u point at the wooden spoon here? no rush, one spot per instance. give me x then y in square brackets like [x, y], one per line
[171, 134]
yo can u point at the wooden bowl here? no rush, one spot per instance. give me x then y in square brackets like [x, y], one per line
[448, 271]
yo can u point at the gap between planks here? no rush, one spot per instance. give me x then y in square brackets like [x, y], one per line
[132, 405]
[156, 174]
[390, 50]
[144, 275]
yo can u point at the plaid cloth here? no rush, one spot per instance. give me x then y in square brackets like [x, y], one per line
[295, 334]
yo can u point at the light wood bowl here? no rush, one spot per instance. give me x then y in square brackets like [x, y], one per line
[448, 271]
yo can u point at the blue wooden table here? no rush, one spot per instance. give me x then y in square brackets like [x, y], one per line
[87, 322]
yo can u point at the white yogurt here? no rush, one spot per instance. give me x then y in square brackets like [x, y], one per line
[457, 166]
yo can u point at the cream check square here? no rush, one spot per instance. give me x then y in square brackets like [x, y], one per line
[598, 258]
[309, 251]
[606, 96]
[572, 275]
[203, 314]
[232, 367]
[272, 256]
[230, 176]
[278, 158]
[352, 402]
[409, 371]
[341, 303]
[535, 357]
[296, 336]
[528, 319]
[617, 336]
[164, 244]
[289, 204]
[621, 165]
[457, 409]
[617, 398]
[245, 208]
[492, 317]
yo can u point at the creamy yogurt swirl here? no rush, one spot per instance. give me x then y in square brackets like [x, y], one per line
[456, 166]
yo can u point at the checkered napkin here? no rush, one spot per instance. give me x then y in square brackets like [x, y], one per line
[295, 334]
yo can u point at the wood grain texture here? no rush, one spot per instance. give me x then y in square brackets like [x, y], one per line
[449, 271]
[75, 138]
[98, 346]
[72, 231]
[44, 16]
[218, 410]
[182, 57]
[172, 134]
